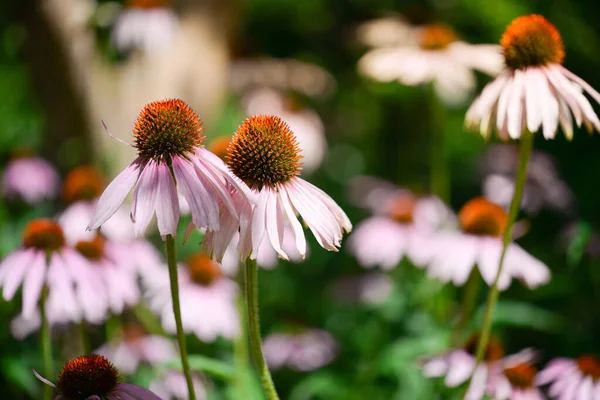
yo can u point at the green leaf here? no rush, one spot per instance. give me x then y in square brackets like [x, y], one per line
[19, 373]
[209, 366]
[516, 313]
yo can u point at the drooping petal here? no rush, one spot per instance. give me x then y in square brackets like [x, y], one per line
[135, 392]
[115, 194]
[259, 221]
[167, 203]
[33, 284]
[145, 198]
[299, 237]
[14, 276]
[274, 223]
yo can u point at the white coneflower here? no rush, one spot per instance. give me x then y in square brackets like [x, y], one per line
[534, 92]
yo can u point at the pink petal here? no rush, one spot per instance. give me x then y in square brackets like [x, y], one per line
[514, 113]
[205, 210]
[274, 223]
[15, 275]
[115, 194]
[145, 198]
[167, 204]
[33, 284]
[478, 383]
[259, 221]
[293, 220]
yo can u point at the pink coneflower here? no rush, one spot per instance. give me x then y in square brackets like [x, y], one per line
[94, 377]
[458, 366]
[168, 136]
[135, 346]
[148, 25]
[31, 179]
[303, 121]
[207, 300]
[44, 260]
[400, 227]
[453, 255]
[264, 154]
[304, 351]
[171, 385]
[435, 55]
[118, 278]
[572, 379]
[516, 381]
[534, 91]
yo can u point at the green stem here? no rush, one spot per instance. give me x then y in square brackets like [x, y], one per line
[46, 339]
[521, 175]
[254, 330]
[240, 346]
[439, 183]
[172, 263]
[84, 343]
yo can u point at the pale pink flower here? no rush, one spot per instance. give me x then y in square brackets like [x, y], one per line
[264, 154]
[543, 186]
[305, 351]
[74, 292]
[207, 300]
[400, 227]
[388, 31]
[451, 256]
[135, 346]
[434, 54]
[571, 379]
[516, 381]
[303, 121]
[458, 366]
[171, 385]
[93, 377]
[534, 92]
[147, 25]
[31, 179]
[169, 135]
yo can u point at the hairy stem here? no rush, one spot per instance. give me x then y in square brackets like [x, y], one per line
[46, 340]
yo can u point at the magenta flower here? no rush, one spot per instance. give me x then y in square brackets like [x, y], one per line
[207, 299]
[74, 292]
[31, 179]
[135, 346]
[169, 136]
[572, 379]
[304, 351]
[264, 154]
[93, 377]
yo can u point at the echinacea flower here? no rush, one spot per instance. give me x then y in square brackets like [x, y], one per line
[400, 227]
[571, 379]
[134, 346]
[303, 121]
[171, 385]
[304, 351]
[459, 365]
[207, 299]
[438, 56]
[94, 377]
[516, 381]
[534, 92]
[148, 25]
[453, 255]
[44, 260]
[168, 136]
[31, 179]
[264, 154]
[543, 186]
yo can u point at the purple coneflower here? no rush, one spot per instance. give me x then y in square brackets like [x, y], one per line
[168, 136]
[31, 179]
[571, 379]
[94, 377]
[534, 91]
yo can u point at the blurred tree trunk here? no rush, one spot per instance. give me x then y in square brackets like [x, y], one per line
[78, 88]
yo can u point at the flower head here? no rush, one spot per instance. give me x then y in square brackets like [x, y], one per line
[43, 234]
[452, 255]
[168, 135]
[572, 378]
[94, 377]
[83, 183]
[534, 92]
[264, 154]
[31, 179]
